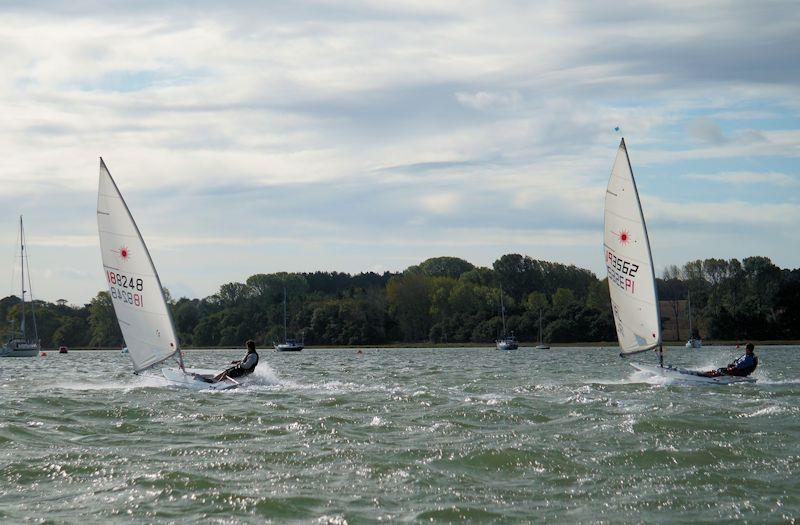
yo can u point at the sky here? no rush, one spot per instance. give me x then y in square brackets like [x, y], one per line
[257, 137]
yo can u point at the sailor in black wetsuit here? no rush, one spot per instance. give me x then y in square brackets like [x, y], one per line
[742, 367]
[244, 366]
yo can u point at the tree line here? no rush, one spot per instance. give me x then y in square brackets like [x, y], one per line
[443, 300]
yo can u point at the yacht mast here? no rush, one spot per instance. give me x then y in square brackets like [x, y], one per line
[22, 276]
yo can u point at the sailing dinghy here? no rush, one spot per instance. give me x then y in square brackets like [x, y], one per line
[136, 292]
[632, 280]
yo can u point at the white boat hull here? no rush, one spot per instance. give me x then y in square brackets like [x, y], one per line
[507, 345]
[689, 376]
[288, 347]
[189, 379]
[694, 343]
[542, 347]
[11, 352]
[19, 348]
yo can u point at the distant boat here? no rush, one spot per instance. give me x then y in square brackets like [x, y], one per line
[541, 345]
[693, 342]
[288, 345]
[507, 341]
[631, 277]
[137, 295]
[63, 350]
[22, 343]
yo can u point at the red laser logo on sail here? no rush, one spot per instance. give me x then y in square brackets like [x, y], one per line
[624, 237]
[123, 252]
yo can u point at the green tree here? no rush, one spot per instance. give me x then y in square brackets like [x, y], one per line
[563, 298]
[103, 322]
[72, 331]
[452, 267]
[409, 304]
[536, 302]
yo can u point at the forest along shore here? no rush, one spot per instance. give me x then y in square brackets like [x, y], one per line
[447, 301]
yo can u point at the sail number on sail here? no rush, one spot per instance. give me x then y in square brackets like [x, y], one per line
[621, 272]
[118, 283]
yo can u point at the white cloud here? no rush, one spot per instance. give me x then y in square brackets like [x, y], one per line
[746, 177]
[730, 213]
[440, 203]
[482, 100]
[706, 130]
[365, 123]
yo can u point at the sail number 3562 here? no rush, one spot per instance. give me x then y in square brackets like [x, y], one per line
[621, 272]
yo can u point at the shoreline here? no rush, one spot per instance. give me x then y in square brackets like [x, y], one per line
[432, 346]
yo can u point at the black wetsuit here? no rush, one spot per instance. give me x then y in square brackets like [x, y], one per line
[245, 367]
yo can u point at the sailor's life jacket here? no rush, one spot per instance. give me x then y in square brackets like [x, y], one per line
[245, 367]
[744, 366]
[249, 362]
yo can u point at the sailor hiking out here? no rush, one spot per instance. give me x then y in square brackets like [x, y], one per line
[244, 366]
[742, 367]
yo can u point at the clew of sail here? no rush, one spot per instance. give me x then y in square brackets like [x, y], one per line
[133, 283]
[629, 263]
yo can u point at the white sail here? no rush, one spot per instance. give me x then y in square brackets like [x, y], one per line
[133, 283]
[631, 279]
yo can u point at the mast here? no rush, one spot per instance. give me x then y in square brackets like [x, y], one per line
[689, 306]
[22, 275]
[502, 310]
[540, 326]
[284, 313]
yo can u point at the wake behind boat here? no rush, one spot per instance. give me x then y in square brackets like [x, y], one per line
[137, 294]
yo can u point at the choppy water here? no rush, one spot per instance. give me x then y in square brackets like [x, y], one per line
[400, 436]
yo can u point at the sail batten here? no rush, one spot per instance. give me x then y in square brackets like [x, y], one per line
[133, 282]
[629, 262]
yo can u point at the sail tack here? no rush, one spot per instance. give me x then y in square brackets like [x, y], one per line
[629, 263]
[132, 280]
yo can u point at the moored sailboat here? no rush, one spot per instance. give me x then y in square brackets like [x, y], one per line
[136, 292]
[288, 345]
[23, 342]
[507, 341]
[694, 340]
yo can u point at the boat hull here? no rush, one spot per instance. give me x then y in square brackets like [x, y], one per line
[542, 347]
[288, 348]
[189, 379]
[16, 352]
[20, 348]
[507, 345]
[694, 343]
[689, 376]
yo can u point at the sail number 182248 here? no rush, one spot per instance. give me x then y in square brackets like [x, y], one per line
[125, 288]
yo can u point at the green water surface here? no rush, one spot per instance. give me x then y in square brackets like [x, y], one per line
[474, 435]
